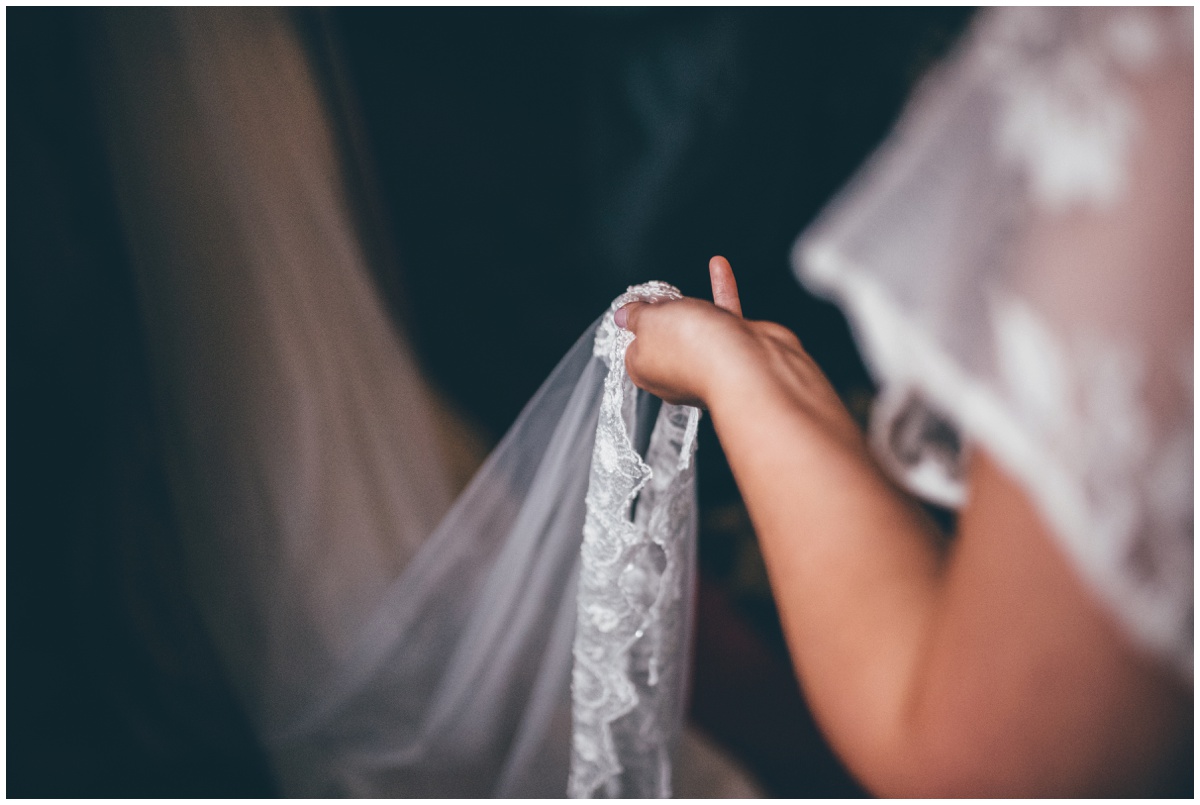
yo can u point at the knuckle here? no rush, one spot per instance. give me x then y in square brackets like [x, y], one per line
[770, 329]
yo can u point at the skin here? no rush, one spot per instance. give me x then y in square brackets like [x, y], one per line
[983, 668]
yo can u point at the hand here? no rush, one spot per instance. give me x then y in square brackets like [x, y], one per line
[706, 354]
[681, 345]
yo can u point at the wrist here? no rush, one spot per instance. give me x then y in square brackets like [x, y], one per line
[745, 391]
[732, 374]
[768, 386]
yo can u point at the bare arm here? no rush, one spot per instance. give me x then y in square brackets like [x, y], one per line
[987, 670]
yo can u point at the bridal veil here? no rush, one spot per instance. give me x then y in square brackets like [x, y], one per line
[529, 640]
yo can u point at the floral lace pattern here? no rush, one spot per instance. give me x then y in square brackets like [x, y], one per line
[1012, 261]
[1061, 120]
[634, 609]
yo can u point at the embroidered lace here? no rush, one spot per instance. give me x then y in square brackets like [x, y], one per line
[1017, 263]
[635, 585]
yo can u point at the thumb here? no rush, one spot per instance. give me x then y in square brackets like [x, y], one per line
[626, 315]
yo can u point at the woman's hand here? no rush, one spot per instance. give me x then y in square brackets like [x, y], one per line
[682, 347]
[706, 354]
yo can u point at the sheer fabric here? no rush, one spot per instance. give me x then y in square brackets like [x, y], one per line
[507, 661]
[1017, 263]
[534, 640]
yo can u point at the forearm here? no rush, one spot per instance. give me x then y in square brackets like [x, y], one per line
[989, 669]
[853, 563]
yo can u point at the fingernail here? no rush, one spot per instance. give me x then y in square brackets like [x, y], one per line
[621, 317]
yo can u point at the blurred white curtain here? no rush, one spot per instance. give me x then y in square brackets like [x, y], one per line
[301, 443]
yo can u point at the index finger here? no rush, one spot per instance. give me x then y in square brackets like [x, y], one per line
[724, 286]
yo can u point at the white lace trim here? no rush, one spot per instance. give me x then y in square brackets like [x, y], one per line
[634, 592]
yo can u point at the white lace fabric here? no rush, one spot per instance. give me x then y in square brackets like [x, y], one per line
[1016, 261]
[635, 585]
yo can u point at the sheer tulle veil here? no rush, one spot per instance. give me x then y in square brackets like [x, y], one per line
[526, 640]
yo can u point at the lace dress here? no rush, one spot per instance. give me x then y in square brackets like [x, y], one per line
[1016, 261]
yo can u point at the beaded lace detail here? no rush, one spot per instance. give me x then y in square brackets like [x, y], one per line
[634, 608]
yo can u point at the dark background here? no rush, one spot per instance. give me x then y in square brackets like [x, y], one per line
[513, 170]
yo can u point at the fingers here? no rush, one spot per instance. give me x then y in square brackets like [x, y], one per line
[724, 286]
[626, 315]
[725, 295]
